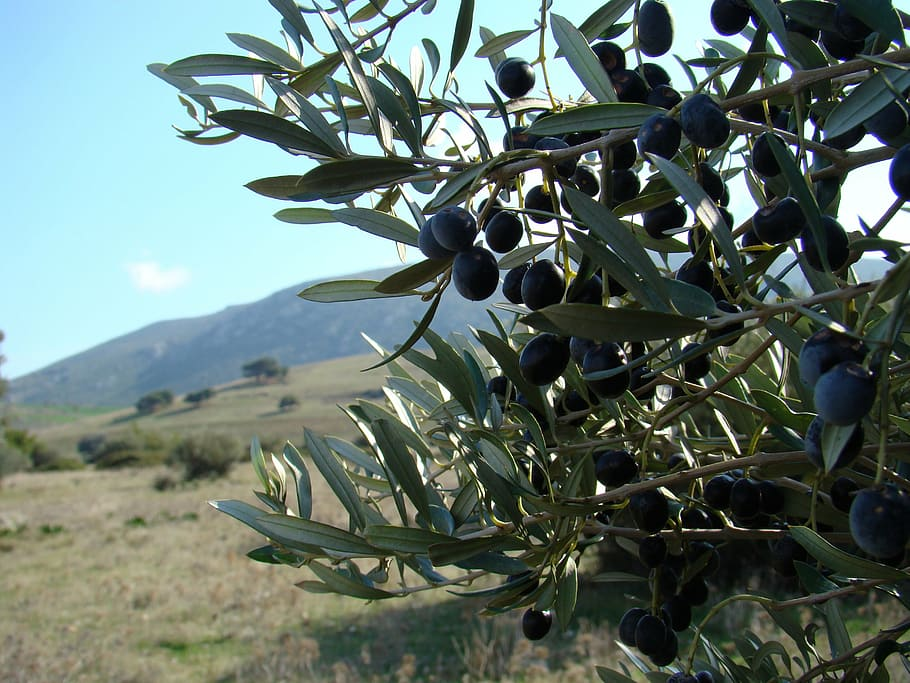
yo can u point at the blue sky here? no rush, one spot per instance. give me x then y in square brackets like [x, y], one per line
[110, 222]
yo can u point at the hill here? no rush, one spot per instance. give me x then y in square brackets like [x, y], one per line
[193, 353]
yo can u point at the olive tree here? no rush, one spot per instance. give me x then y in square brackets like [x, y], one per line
[657, 370]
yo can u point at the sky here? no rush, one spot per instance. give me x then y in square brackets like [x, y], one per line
[110, 222]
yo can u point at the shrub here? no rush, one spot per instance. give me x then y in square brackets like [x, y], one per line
[607, 343]
[136, 448]
[12, 460]
[197, 398]
[205, 456]
[89, 446]
[288, 402]
[154, 401]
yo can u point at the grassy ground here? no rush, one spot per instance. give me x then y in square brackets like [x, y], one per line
[107, 579]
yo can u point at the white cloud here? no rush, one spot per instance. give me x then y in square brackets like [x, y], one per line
[151, 276]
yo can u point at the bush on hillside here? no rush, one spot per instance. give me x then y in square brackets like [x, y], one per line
[12, 460]
[136, 448]
[154, 401]
[205, 456]
[288, 402]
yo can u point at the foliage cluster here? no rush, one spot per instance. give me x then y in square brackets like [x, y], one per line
[136, 448]
[154, 401]
[198, 397]
[205, 456]
[653, 378]
[265, 369]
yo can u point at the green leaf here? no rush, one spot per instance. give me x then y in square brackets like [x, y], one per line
[611, 324]
[497, 57]
[344, 585]
[811, 13]
[812, 579]
[221, 65]
[313, 78]
[610, 676]
[584, 62]
[291, 13]
[447, 368]
[243, 512]
[705, 210]
[780, 411]
[501, 490]
[335, 179]
[690, 300]
[413, 276]
[305, 216]
[463, 26]
[598, 252]
[502, 42]
[265, 49]
[346, 290]
[304, 487]
[409, 540]
[834, 438]
[336, 477]
[896, 280]
[227, 92]
[838, 638]
[604, 18]
[295, 531]
[878, 15]
[433, 55]
[378, 223]
[443, 554]
[258, 460]
[566, 593]
[368, 11]
[455, 189]
[752, 66]
[602, 223]
[843, 563]
[507, 359]
[180, 82]
[406, 90]
[594, 117]
[391, 106]
[767, 11]
[866, 99]
[401, 464]
[270, 128]
[360, 82]
[415, 336]
[308, 115]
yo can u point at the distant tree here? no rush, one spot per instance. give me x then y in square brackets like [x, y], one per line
[154, 401]
[197, 398]
[288, 402]
[264, 370]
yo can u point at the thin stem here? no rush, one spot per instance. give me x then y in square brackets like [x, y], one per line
[696, 639]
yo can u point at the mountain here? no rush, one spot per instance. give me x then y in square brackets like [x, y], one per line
[193, 353]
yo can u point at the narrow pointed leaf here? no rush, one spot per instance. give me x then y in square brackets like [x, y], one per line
[413, 540]
[567, 593]
[344, 585]
[346, 290]
[413, 276]
[298, 531]
[502, 42]
[263, 48]
[291, 13]
[304, 487]
[598, 252]
[602, 223]
[507, 359]
[463, 26]
[305, 216]
[866, 99]
[705, 210]
[594, 117]
[615, 324]
[843, 563]
[270, 128]
[221, 65]
[335, 179]
[360, 82]
[767, 11]
[406, 90]
[336, 477]
[584, 62]
[180, 82]
[378, 223]
[401, 464]
[227, 92]
[391, 106]
[880, 16]
[313, 78]
[415, 336]
[308, 115]
[604, 18]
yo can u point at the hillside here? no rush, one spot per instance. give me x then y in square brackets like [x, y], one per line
[193, 353]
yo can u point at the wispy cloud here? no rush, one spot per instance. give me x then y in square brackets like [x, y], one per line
[151, 276]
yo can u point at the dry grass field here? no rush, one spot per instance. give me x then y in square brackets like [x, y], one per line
[105, 578]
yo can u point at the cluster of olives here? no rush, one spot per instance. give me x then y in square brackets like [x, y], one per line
[831, 364]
